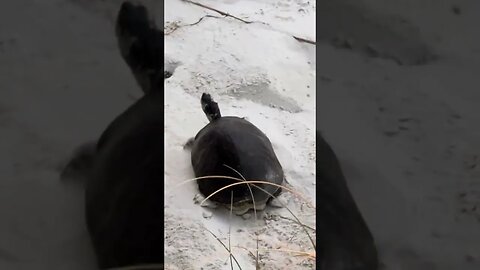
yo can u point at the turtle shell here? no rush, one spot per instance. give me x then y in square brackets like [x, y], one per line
[230, 146]
[123, 197]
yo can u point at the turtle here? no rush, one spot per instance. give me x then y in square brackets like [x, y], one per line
[232, 146]
[123, 169]
[344, 237]
[141, 46]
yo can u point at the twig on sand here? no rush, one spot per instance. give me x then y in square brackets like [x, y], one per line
[224, 246]
[218, 11]
[310, 255]
[226, 14]
[293, 220]
[190, 24]
[304, 40]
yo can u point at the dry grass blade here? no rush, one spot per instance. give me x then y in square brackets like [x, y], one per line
[249, 188]
[271, 195]
[226, 248]
[257, 264]
[209, 177]
[313, 229]
[297, 252]
[254, 182]
[246, 249]
[259, 182]
[295, 216]
[230, 230]
[243, 181]
[202, 178]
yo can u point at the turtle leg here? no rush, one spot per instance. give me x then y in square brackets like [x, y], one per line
[240, 211]
[170, 65]
[189, 144]
[285, 182]
[275, 201]
[209, 204]
[167, 74]
[81, 163]
[279, 191]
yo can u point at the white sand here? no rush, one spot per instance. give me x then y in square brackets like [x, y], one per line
[62, 81]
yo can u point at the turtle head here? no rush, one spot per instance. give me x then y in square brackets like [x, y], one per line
[141, 45]
[210, 107]
[131, 19]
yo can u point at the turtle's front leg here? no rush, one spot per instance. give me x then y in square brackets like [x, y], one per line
[81, 162]
[189, 144]
[167, 74]
[198, 198]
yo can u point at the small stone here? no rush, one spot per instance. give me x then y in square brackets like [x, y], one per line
[456, 10]
[405, 119]
[247, 216]
[390, 133]
[348, 44]
[198, 198]
[371, 50]
[274, 217]
[342, 42]
[207, 215]
[277, 202]
[456, 116]
[209, 204]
